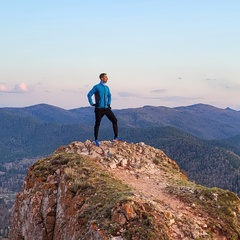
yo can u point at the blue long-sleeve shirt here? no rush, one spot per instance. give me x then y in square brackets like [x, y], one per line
[102, 95]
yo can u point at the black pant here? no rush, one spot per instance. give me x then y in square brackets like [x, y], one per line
[99, 113]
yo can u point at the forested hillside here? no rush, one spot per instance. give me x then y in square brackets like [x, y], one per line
[206, 162]
[203, 121]
[36, 131]
[24, 136]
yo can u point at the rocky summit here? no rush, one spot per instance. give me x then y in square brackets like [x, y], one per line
[118, 191]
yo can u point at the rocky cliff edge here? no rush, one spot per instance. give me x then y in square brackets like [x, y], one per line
[118, 191]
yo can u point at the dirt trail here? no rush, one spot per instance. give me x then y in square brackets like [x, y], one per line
[152, 188]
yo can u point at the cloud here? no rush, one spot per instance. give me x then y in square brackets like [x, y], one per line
[159, 91]
[73, 91]
[211, 79]
[3, 88]
[179, 98]
[222, 84]
[226, 86]
[173, 98]
[19, 88]
[127, 94]
[154, 97]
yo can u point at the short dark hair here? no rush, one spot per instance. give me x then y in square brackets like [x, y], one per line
[101, 75]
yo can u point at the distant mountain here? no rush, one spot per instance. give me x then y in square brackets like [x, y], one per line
[203, 121]
[46, 114]
[204, 140]
[25, 135]
[200, 120]
[25, 131]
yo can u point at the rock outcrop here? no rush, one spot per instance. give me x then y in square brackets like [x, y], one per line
[118, 191]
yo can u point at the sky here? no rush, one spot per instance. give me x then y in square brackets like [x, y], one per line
[156, 52]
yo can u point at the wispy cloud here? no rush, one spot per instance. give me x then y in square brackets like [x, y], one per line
[173, 98]
[179, 98]
[160, 97]
[159, 91]
[3, 88]
[127, 94]
[73, 91]
[19, 88]
[220, 83]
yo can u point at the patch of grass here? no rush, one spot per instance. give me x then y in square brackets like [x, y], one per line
[47, 166]
[103, 191]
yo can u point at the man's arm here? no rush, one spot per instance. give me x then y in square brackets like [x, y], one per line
[89, 96]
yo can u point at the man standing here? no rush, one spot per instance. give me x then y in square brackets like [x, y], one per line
[102, 106]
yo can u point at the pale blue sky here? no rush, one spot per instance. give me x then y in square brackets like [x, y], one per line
[161, 53]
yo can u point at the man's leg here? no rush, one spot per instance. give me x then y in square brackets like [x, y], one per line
[98, 117]
[110, 115]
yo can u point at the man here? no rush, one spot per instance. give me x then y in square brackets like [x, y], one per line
[102, 106]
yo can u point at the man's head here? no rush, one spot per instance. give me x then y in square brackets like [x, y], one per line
[103, 77]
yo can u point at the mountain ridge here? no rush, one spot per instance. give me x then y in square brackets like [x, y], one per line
[201, 120]
[23, 136]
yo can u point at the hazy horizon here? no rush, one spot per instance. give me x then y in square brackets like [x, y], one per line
[116, 108]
